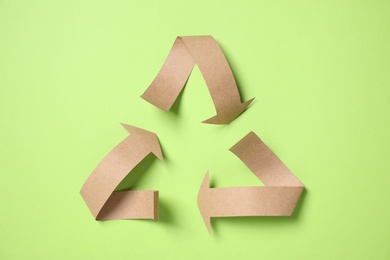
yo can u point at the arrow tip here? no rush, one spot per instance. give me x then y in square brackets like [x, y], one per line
[204, 202]
[226, 117]
[149, 138]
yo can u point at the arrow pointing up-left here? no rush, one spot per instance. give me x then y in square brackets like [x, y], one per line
[98, 191]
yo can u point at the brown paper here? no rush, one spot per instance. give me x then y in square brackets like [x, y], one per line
[205, 52]
[98, 191]
[278, 197]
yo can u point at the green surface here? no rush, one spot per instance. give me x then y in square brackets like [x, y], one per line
[71, 71]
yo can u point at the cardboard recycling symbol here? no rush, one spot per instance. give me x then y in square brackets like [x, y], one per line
[282, 189]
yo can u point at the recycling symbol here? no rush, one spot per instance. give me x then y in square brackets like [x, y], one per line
[282, 189]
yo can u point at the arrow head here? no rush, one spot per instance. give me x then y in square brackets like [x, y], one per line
[204, 201]
[226, 117]
[147, 138]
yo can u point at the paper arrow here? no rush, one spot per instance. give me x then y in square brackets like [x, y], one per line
[278, 197]
[98, 191]
[204, 51]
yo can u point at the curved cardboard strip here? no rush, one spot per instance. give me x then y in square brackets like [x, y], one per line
[205, 52]
[98, 191]
[278, 198]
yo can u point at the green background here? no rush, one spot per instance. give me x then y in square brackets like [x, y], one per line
[71, 71]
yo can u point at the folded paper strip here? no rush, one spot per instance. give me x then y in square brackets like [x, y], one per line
[205, 52]
[99, 192]
[278, 197]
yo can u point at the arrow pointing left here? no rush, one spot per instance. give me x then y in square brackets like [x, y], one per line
[278, 198]
[98, 191]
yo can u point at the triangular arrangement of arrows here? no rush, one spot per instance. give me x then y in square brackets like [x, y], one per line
[282, 189]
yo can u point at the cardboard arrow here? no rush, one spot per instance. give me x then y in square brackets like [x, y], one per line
[278, 197]
[205, 52]
[98, 191]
